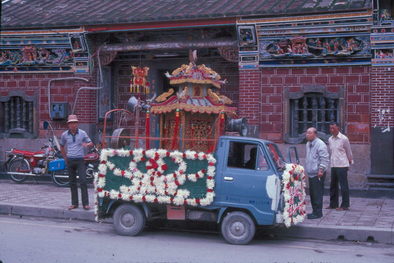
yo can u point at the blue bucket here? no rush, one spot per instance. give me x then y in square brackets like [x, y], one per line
[57, 165]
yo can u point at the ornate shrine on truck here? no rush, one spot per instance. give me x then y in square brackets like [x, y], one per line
[193, 117]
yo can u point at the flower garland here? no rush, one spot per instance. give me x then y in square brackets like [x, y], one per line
[155, 186]
[293, 180]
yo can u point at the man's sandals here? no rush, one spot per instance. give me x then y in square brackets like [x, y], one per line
[71, 207]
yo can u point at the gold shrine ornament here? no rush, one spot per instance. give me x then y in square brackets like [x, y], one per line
[138, 82]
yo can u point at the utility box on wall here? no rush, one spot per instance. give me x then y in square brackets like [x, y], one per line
[59, 111]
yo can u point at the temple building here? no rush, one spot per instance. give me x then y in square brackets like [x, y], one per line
[288, 65]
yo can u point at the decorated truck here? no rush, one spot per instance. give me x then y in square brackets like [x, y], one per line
[191, 169]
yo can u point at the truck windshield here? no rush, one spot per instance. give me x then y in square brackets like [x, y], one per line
[276, 156]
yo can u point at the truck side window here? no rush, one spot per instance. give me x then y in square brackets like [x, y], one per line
[262, 163]
[242, 155]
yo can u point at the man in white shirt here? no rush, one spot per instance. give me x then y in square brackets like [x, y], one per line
[341, 158]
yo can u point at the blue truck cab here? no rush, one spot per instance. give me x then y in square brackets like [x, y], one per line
[248, 177]
[248, 194]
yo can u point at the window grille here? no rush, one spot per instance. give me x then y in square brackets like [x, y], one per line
[312, 110]
[17, 117]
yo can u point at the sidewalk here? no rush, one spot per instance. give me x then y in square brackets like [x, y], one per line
[367, 220]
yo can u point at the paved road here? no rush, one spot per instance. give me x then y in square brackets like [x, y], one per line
[42, 240]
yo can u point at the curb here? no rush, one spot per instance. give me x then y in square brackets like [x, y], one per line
[20, 210]
[329, 233]
[349, 233]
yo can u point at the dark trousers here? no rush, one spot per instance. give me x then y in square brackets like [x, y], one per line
[76, 167]
[339, 174]
[316, 189]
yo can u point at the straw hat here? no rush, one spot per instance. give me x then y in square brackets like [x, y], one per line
[72, 118]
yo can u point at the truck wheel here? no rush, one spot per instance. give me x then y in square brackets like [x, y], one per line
[238, 228]
[128, 220]
[19, 165]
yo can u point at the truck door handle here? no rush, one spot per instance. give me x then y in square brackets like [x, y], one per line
[228, 178]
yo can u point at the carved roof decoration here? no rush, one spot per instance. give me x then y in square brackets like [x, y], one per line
[197, 92]
[196, 74]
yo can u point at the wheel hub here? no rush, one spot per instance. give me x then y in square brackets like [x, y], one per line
[237, 228]
[127, 220]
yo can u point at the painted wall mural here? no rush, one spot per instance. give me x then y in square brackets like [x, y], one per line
[43, 51]
[327, 48]
[31, 55]
[314, 47]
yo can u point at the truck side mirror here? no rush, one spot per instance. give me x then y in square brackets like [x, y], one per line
[46, 125]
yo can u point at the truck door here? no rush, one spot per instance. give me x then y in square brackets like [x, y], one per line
[245, 176]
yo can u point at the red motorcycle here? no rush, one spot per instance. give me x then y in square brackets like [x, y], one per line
[22, 164]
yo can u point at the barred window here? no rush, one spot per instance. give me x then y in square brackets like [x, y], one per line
[16, 117]
[313, 109]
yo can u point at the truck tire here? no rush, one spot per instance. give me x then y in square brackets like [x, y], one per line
[128, 220]
[17, 165]
[238, 228]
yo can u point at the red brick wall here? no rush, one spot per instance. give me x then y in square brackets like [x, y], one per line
[262, 97]
[61, 91]
[382, 96]
[250, 96]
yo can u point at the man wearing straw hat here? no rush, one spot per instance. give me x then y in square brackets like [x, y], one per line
[72, 142]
